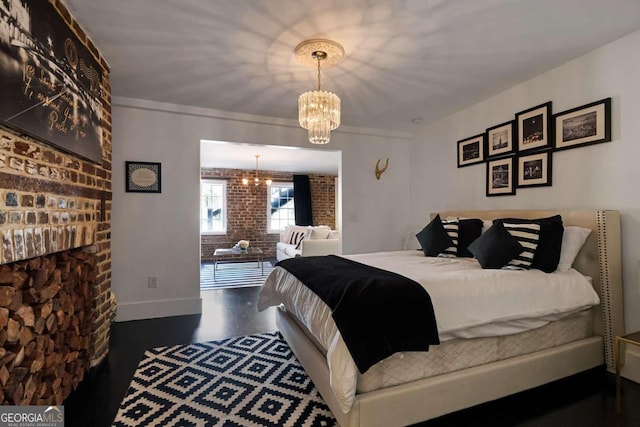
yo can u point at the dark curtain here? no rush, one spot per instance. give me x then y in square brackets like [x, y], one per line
[302, 200]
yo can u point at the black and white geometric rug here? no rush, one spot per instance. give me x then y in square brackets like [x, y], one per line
[252, 380]
[234, 275]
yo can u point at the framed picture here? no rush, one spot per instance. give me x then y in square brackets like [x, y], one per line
[586, 125]
[500, 140]
[534, 170]
[500, 175]
[471, 151]
[49, 79]
[534, 128]
[143, 177]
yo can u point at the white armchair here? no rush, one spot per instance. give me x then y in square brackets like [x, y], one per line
[307, 241]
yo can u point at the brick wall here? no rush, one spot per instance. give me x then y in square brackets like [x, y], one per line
[323, 193]
[247, 208]
[51, 200]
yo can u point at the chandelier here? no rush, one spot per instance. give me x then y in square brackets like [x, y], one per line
[256, 178]
[318, 110]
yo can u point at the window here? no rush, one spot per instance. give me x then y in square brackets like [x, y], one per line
[280, 207]
[213, 206]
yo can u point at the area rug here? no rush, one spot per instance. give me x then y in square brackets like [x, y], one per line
[234, 275]
[253, 380]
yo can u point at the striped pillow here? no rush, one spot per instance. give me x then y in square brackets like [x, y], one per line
[451, 227]
[527, 235]
[297, 237]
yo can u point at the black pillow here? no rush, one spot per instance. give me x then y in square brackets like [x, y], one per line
[495, 247]
[547, 254]
[434, 238]
[468, 231]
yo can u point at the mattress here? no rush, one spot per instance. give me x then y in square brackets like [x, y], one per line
[469, 303]
[460, 354]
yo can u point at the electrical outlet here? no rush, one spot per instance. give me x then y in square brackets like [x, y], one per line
[152, 281]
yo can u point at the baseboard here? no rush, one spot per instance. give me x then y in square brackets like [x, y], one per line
[631, 368]
[158, 308]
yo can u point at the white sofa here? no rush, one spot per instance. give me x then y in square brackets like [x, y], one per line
[318, 240]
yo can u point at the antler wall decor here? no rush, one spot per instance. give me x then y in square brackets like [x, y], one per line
[380, 171]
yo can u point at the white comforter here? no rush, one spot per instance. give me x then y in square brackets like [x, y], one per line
[468, 302]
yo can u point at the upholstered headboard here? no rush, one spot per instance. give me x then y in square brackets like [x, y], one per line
[599, 258]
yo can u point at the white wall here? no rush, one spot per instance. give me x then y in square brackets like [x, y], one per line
[604, 176]
[158, 234]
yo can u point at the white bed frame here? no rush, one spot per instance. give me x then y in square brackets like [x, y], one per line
[429, 398]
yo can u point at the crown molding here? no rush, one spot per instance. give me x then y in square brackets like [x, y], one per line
[145, 104]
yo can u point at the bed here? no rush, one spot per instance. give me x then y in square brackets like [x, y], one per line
[410, 400]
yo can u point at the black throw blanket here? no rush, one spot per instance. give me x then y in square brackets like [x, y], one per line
[376, 311]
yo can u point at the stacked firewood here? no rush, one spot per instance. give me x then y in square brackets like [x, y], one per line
[46, 314]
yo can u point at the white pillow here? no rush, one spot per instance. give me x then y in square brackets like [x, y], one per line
[410, 242]
[573, 239]
[319, 232]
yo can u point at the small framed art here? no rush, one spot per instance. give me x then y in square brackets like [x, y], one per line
[500, 175]
[471, 151]
[143, 177]
[585, 125]
[534, 128]
[534, 170]
[500, 140]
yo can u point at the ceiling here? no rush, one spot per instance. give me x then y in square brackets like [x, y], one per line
[404, 59]
[220, 154]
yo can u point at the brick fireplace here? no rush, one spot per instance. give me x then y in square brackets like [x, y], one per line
[55, 258]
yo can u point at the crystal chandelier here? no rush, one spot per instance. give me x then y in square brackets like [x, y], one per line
[256, 179]
[318, 110]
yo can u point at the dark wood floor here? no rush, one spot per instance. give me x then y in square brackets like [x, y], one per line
[583, 400]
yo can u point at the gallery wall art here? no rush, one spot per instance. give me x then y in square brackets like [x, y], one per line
[519, 153]
[585, 125]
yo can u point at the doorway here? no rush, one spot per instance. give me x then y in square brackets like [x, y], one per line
[241, 206]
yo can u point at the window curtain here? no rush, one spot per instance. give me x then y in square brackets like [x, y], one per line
[302, 200]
